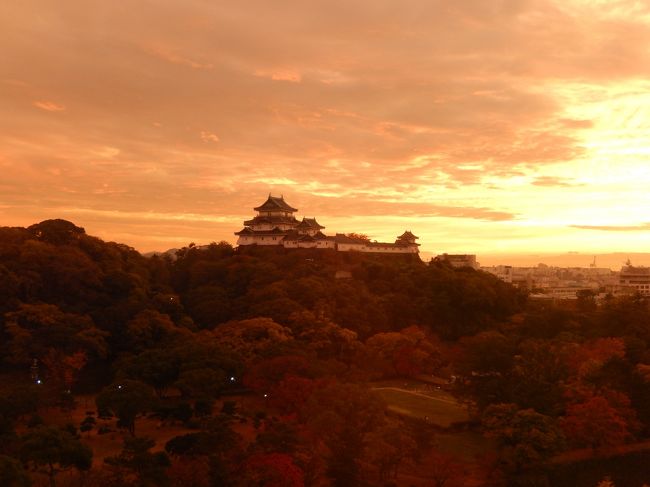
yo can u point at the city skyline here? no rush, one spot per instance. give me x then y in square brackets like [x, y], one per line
[492, 128]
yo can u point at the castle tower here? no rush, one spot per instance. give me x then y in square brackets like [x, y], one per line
[273, 222]
[407, 241]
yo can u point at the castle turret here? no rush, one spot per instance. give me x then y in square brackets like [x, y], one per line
[407, 239]
[273, 222]
[309, 226]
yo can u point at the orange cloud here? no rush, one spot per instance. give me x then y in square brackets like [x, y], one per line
[209, 137]
[644, 227]
[472, 119]
[49, 106]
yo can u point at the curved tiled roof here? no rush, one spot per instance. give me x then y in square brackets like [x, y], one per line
[275, 203]
[271, 219]
[407, 235]
[248, 231]
[310, 223]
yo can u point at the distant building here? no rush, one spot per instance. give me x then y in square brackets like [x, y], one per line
[546, 282]
[459, 260]
[275, 224]
[636, 279]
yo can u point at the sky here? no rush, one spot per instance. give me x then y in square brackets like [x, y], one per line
[495, 127]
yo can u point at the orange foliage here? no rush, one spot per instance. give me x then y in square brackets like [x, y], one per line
[600, 421]
[590, 356]
[265, 374]
[63, 369]
[189, 472]
[273, 470]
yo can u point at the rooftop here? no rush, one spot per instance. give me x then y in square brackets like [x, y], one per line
[271, 220]
[309, 223]
[249, 231]
[273, 203]
[407, 235]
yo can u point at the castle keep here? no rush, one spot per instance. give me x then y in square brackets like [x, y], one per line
[275, 224]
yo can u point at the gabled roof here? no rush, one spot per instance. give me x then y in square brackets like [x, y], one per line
[404, 243]
[272, 220]
[344, 239]
[309, 223]
[275, 203]
[248, 231]
[407, 235]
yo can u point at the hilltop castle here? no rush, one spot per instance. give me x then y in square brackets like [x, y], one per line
[275, 224]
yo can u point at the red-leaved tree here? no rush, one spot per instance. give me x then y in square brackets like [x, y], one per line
[272, 470]
[597, 422]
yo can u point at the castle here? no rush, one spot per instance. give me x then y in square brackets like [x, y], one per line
[275, 224]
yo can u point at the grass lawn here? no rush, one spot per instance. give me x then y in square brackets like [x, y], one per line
[437, 407]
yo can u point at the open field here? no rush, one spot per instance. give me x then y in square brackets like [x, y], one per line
[418, 400]
[421, 401]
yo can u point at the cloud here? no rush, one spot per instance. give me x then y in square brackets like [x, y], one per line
[280, 75]
[49, 106]
[209, 137]
[168, 55]
[554, 181]
[577, 124]
[424, 109]
[643, 227]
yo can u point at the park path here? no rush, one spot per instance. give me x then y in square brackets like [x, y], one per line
[448, 401]
[573, 456]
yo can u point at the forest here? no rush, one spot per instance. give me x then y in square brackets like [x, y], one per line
[225, 367]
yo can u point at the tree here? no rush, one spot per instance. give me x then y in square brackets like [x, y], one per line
[324, 337]
[57, 232]
[538, 376]
[588, 358]
[290, 395]
[596, 423]
[35, 329]
[445, 471]
[205, 383]
[388, 447]
[253, 337]
[147, 466]
[267, 373]
[126, 399]
[278, 436]
[12, 473]
[272, 470]
[382, 350]
[343, 415]
[461, 302]
[484, 365]
[87, 424]
[405, 353]
[190, 472]
[64, 369]
[151, 329]
[218, 447]
[208, 305]
[159, 368]
[217, 439]
[526, 437]
[606, 482]
[55, 450]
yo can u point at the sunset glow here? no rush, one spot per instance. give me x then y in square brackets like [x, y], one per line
[487, 127]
